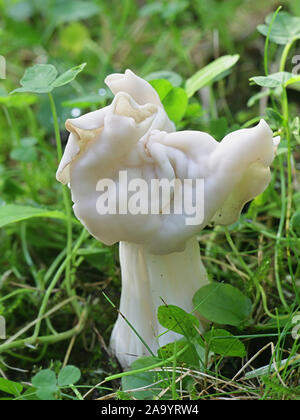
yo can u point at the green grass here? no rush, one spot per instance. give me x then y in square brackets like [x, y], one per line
[53, 274]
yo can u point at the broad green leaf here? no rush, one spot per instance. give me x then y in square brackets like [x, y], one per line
[207, 75]
[188, 358]
[10, 387]
[20, 11]
[151, 9]
[166, 10]
[44, 378]
[84, 101]
[282, 150]
[24, 154]
[70, 10]
[12, 190]
[224, 343]
[174, 78]
[257, 97]
[293, 80]
[68, 76]
[142, 380]
[29, 141]
[175, 104]
[42, 78]
[176, 319]
[29, 394]
[296, 223]
[174, 99]
[297, 200]
[273, 80]
[18, 101]
[12, 213]
[274, 117]
[162, 87]
[46, 384]
[272, 367]
[295, 128]
[193, 110]
[73, 37]
[69, 375]
[174, 8]
[285, 28]
[219, 128]
[38, 79]
[223, 304]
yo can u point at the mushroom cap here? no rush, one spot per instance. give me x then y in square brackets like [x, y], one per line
[134, 136]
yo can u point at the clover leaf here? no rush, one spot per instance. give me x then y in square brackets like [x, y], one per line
[42, 78]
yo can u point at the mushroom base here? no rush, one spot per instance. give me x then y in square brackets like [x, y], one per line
[149, 281]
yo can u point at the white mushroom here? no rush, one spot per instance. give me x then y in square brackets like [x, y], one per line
[159, 253]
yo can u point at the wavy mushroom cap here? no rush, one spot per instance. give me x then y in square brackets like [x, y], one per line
[133, 135]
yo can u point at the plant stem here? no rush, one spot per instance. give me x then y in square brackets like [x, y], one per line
[285, 109]
[286, 204]
[54, 282]
[236, 253]
[67, 205]
[56, 126]
[266, 54]
[279, 234]
[148, 368]
[49, 339]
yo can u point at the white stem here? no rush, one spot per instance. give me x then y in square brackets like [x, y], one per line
[147, 281]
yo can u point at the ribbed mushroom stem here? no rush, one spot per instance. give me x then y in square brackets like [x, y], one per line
[147, 281]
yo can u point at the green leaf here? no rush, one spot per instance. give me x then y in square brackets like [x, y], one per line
[219, 128]
[295, 223]
[166, 10]
[174, 99]
[20, 11]
[162, 87]
[188, 358]
[12, 213]
[282, 148]
[68, 76]
[18, 101]
[24, 154]
[285, 28]
[46, 384]
[176, 319]
[274, 117]
[29, 394]
[142, 380]
[85, 101]
[69, 375]
[175, 104]
[44, 378]
[295, 79]
[174, 78]
[38, 79]
[224, 343]
[29, 141]
[257, 97]
[174, 8]
[193, 110]
[42, 78]
[151, 9]
[295, 128]
[70, 10]
[207, 75]
[10, 387]
[12, 190]
[273, 80]
[223, 304]
[73, 37]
